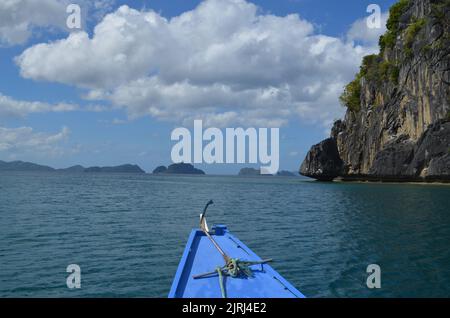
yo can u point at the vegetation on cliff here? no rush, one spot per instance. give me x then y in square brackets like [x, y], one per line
[379, 69]
[351, 95]
[388, 40]
[374, 70]
[397, 124]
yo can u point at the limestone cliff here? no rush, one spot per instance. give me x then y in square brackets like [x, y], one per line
[397, 125]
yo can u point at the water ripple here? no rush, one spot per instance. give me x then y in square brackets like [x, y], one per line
[127, 232]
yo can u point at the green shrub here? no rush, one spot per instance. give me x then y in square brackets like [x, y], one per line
[394, 73]
[388, 39]
[351, 95]
[368, 61]
[408, 52]
[395, 13]
[374, 70]
[384, 70]
[369, 66]
[410, 35]
[412, 30]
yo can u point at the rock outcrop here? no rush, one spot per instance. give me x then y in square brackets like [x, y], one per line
[397, 125]
[323, 162]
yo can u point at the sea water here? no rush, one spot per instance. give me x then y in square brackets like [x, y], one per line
[127, 232]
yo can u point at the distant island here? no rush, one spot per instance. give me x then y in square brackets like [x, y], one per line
[127, 168]
[178, 168]
[22, 166]
[29, 166]
[257, 172]
[249, 172]
[284, 173]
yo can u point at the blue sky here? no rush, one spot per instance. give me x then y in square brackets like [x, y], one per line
[116, 127]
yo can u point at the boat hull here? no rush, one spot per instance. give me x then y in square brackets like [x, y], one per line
[200, 257]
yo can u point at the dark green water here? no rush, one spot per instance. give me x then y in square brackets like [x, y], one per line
[127, 232]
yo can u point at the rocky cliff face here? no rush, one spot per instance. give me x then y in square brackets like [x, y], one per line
[397, 126]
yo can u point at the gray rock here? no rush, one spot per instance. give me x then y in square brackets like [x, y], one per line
[431, 152]
[394, 159]
[338, 127]
[323, 162]
[439, 167]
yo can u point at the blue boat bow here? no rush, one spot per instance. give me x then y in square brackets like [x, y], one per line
[201, 256]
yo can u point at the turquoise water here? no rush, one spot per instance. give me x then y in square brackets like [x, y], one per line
[127, 232]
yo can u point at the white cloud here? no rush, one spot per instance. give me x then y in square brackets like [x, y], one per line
[24, 140]
[18, 108]
[115, 121]
[10, 107]
[224, 62]
[359, 31]
[20, 18]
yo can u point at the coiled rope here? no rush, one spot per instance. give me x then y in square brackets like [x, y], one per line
[234, 267]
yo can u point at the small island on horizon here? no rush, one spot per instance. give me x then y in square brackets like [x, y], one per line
[257, 172]
[178, 168]
[22, 166]
[173, 169]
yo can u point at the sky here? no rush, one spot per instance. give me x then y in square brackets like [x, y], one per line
[113, 91]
